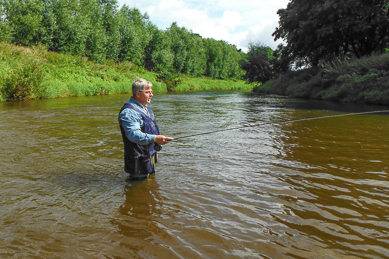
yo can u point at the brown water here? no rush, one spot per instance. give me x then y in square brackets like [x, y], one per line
[309, 189]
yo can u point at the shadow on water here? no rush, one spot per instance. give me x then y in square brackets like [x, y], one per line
[141, 231]
[314, 105]
[89, 179]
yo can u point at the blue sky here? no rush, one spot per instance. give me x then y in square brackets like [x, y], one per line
[236, 22]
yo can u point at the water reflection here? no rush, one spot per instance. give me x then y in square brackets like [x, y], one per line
[136, 224]
[141, 205]
[142, 232]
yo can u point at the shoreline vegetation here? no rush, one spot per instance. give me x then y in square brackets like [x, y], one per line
[364, 80]
[331, 50]
[92, 47]
[335, 51]
[35, 73]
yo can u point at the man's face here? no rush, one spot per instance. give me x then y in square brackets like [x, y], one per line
[145, 96]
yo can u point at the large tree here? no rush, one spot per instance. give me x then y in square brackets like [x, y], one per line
[223, 60]
[319, 30]
[135, 34]
[258, 65]
[22, 19]
[188, 49]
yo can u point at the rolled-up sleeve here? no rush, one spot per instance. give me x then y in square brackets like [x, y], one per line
[131, 121]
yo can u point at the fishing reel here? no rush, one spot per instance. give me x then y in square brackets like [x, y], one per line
[157, 147]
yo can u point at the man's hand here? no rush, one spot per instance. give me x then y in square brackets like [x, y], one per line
[162, 140]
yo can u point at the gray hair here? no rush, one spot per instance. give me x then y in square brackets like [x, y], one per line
[139, 85]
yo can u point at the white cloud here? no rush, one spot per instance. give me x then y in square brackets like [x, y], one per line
[233, 21]
[261, 34]
[230, 19]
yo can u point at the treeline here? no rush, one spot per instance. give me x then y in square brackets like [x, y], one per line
[99, 30]
[316, 33]
[35, 73]
[334, 50]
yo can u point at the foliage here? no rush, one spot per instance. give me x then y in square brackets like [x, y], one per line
[259, 49]
[171, 79]
[24, 19]
[258, 69]
[24, 82]
[135, 34]
[206, 84]
[223, 60]
[27, 73]
[362, 80]
[101, 31]
[319, 31]
[162, 55]
[258, 64]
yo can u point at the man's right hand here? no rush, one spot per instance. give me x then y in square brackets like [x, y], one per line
[162, 140]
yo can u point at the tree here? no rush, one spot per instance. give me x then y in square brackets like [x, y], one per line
[47, 25]
[151, 46]
[319, 30]
[196, 61]
[188, 49]
[179, 38]
[110, 25]
[6, 31]
[72, 23]
[259, 49]
[258, 65]
[162, 57]
[135, 35]
[23, 18]
[95, 42]
[94, 28]
[223, 59]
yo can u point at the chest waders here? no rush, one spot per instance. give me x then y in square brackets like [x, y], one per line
[140, 160]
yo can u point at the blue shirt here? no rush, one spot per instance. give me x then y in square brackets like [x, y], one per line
[132, 123]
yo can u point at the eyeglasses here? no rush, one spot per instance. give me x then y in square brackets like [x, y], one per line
[148, 92]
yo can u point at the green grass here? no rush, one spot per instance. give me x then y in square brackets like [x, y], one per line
[31, 73]
[206, 84]
[363, 80]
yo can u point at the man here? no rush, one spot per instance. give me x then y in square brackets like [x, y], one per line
[140, 132]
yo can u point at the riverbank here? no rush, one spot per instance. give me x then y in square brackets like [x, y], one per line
[363, 80]
[32, 73]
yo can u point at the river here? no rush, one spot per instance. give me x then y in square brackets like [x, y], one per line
[306, 189]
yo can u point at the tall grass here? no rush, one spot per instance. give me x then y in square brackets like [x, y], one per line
[364, 80]
[29, 73]
[207, 84]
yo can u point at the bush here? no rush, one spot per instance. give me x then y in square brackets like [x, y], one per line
[360, 81]
[170, 78]
[24, 83]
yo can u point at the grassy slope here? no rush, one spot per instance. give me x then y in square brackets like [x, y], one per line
[27, 73]
[360, 81]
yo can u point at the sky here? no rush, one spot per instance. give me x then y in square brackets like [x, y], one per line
[236, 22]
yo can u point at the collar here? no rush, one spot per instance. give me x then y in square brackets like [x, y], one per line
[132, 100]
[139, 105]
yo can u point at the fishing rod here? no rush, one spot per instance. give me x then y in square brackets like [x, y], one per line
[159, 147]
[280, 122]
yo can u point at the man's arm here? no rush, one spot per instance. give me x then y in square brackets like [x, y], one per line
[131, 122]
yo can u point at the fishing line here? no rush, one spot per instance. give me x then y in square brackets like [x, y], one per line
[280, 122]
